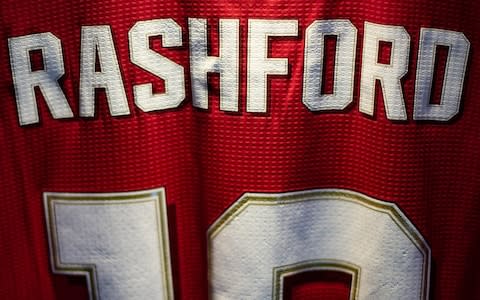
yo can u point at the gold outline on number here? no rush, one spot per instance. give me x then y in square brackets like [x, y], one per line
[271, 199]
[279, 273]
[157, 196]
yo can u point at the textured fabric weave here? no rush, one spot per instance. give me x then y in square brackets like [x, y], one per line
[207, 159]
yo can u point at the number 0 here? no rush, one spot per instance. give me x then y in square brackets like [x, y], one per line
[263, 237]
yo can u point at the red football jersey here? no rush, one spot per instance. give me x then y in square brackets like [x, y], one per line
[239, 150]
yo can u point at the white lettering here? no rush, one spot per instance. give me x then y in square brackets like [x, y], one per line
[259, 65]
[24, 79]
[346, 34]
[458, 46]
[98, 39]
[146, 58]
[227, 63]
[390, 74]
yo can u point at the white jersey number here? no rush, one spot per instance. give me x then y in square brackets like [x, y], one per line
[120, 242]
[270, 236]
